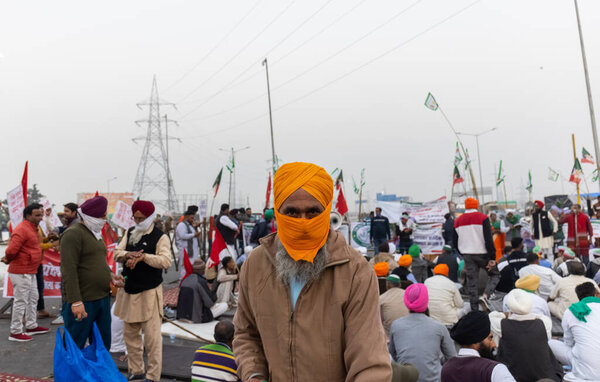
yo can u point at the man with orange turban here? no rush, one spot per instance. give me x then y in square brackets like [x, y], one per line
[445, 302]
[473, 240]
[304, 287]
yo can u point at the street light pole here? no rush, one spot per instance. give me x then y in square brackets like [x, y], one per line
[266, 65]
[232, 173]
[589, 89]
[479, 158]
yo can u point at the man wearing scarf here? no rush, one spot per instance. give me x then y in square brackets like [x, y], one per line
[145, 252]
[474, 362]
[308, 305]
[581, 341]
[185, 239]
[86, 276]
[580, 232]
[543, 227]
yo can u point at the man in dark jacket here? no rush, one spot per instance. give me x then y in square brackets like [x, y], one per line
[448, 229]
[380, 230]
[196, 302]
[262, 228]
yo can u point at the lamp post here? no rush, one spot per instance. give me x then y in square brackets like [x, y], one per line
[232, 173]
[477, 135]
[108, 184]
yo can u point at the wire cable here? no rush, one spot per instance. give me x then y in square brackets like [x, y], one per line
[356, 69]
[217, 45]
[239, 51]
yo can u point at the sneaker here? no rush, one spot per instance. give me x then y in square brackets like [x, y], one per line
[38, 330]
[58, 321]
[136, 377]
[22, 337]
[484, 300]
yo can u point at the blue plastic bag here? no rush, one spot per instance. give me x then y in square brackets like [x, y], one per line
[92, 364]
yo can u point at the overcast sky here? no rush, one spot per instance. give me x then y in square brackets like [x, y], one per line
[71, 73]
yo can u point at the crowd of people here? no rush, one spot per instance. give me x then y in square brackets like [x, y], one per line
[489, 307]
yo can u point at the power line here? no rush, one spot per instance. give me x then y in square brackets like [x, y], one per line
[239, 51]
[262, 57]
[259, 71]
[217, 45]
[329, 83]
[322, 62]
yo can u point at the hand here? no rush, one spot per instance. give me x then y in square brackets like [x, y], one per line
[491, 264]
[117, 280]
[4, 260]
[131, 263]
[133, 255]
[78, 311]
[196, 234]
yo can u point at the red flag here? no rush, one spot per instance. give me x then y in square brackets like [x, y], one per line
[187, 265]
[218, 246]
[110, 241]
[24, 183]
[268, 191]
[96, 194]
[341, 205]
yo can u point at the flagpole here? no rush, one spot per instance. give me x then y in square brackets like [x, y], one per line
[463, 149]
[452, 188]
[505, 197]
[575, 159]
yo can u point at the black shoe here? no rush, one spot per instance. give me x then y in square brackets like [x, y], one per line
[136, 377]
[148, 380]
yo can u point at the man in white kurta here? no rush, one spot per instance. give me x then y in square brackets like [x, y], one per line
[563, 294]
[548, 278]
[581, 342]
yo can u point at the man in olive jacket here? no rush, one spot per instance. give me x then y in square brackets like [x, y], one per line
[308, 307]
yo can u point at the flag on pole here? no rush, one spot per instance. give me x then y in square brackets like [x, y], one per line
[187, 265]
[231, 165]
[431, 103]
[24, 182]
[457, 178]
[529, 186]
[334, 172]
[341, 206]
[586, 157]
[553, 174]
[356, 189]
[576, 173]
[217, 182]
[467, 159]
[457, 157]
[268, 191]
[339, 180]
[595, 175]
[500, 177]
[362, 178]
[218, 247]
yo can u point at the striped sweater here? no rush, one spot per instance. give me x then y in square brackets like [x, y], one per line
[214, 363]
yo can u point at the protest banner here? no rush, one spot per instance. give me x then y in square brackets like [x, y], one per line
[52, 276]
[595, 226]
[16, 204]
[122, 217]
[360, 235]
[203, 207]
[429, 238]
[429, 212]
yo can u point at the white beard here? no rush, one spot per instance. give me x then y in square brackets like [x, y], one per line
[288, 268]
[135, 236]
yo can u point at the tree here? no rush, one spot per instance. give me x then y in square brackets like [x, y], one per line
[34, 195]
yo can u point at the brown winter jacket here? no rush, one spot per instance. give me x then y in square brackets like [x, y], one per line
[335, 333]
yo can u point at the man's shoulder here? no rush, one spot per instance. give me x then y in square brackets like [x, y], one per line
[73, 231]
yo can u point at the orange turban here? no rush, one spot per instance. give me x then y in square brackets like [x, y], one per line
[441, 269]
[405, 261]
[302, 238]
[471, 204]
[382, 269]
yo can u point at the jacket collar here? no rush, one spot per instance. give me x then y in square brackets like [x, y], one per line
[336, 247]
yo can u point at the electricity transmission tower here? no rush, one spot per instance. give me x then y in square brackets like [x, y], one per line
[153, 180]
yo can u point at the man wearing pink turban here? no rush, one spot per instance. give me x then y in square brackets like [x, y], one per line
[418, 339]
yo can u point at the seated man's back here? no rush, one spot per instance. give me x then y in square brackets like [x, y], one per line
[215, 362]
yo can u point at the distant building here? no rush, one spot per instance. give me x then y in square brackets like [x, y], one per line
[381, 197]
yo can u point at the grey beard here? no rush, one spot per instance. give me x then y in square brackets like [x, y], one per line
[135, 236]
[302, 270]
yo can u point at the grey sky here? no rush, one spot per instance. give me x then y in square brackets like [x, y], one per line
[71, 73]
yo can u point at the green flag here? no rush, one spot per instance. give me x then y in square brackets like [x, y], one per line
[430, 102]
[595, 175]
[529, 184]
[553, 174]
[576, 173]
[500, 177]
[356, 189]
[457, 157]
[217, 182]
[231, 165]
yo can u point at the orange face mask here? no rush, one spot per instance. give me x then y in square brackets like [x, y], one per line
[302, 238]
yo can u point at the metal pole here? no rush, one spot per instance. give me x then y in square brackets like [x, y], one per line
[266, 65]
[480, 176]
[574, 160]
[589, 90]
